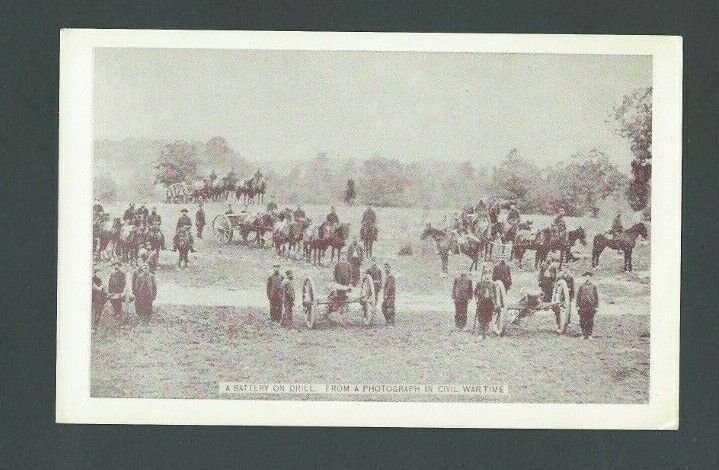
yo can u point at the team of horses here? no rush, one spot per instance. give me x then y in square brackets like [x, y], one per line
[479, 238]
[250, 191]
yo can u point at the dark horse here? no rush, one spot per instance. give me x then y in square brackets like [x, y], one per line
[368, 234]
[443, 242]
[336, 238]
[548, 241]
[624, 242]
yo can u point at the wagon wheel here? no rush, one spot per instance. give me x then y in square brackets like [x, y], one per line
[562, 305]
[367, 300]
[309, 302]
[222, 228]
[499, 321]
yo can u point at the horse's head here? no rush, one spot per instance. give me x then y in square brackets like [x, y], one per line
[640, 229]
[579, 234]
[426, 232]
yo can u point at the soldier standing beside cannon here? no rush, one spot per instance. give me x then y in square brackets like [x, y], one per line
[587, 303]
[461, 294]
[275, 293]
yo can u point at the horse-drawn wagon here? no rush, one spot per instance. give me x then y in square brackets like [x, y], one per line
[250, 228]
[338, 300]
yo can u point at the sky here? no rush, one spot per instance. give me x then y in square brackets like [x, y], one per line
[410, 106]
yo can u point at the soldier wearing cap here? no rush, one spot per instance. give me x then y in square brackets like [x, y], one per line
[559, 225]
[184, 220]
[288, 298]
[390, 290]
[200, 221]
[116, 288]
[99, 296]
[275, 293]
[184, 223]
[587, 303]
[144, 288]
[502, 273]
[154, 219]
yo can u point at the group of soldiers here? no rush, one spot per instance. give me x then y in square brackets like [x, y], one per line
[142, 290]
[281, 290]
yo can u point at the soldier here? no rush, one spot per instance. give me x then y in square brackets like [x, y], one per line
[99, 296]
[368, 216]
[129, 215]
[288, 299]
[142, 212]
[144, 288]
[559, 225]
[200, 220]
[184, 223]
[184, 220]
[355, 253]
[617, 226]
[153, 260]
[343, 271]
[513, 216]
[154, 218]
[502, 273]
[376, 274]
[97, 207]
[461, 293]
[587, 303]
[332, 219]
[229, 209]
[547, 276]
[390, 289]
[180, 231]
[274, 293]
[299, 214]
[485, 311]
[272, 205]
[485, 283]
[116, 288]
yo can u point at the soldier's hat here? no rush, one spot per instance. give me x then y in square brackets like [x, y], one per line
[276, 265]
[184, 210]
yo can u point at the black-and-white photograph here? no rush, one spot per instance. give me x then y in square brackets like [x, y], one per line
[370, 226]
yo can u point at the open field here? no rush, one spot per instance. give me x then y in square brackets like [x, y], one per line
[219, 329]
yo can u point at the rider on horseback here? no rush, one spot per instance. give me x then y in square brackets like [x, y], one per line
[617, 226]
[368, 216]
[513, 216]
[184, 223]
[559, 226]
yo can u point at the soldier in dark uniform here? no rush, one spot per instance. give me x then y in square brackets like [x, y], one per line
[376, 274]
[200, 220]
[288, 298]
[154, 218]
[142, 212]
[390, 290]
[184, 223]
[275, 293]
[587, 303]
[502, 273]
[617, 226]
[513, 216]
[355, 254]
[116, 289]
[144, 288]
[368, 216]
[129, 215]
[485, 311]
[299, 214]
[559, 225]
[99, 296]
[332, 217]
[461, 294]
[547, 276]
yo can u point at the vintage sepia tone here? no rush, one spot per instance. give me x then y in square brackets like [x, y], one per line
[283, 226]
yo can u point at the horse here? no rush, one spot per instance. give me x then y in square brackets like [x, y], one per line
[550, 241]
[368, 235]
[623, 242]
[470, 246]
[336, 238]
[262, 224]
[443, 242]
[183, 248]
[314, 243]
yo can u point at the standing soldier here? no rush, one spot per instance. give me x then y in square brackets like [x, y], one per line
[274, 294]
[99, 296]
[288, 298]
[154, 218]
[485, 311]
[502, 273]
[376, 274]
[390, 289]
[587, 303]
[513, 216]
[461, 293]
[116, 289]
[200, 220]
[144, 288]
[355, 253]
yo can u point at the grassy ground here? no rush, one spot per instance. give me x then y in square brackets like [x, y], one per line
[187, 349]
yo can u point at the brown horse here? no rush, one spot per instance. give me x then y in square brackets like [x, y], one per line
[623, 242]
[443, 242]
[336, 239]
[368, 234]
[549, 241]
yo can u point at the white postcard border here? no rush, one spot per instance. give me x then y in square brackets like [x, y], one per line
[74, 404]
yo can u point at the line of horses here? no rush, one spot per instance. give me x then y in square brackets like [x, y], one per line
[479, 240]
[250, 191]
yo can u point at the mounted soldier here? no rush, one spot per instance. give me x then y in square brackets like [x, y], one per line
[142, 212]
[129, 215]
[299, 214]
[559, 226]
[513, 216]
[154, 218]
[332, 219]
[617, 226]
[184, 223]
[368, 216]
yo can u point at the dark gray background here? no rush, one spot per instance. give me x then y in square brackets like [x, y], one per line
[29, 66]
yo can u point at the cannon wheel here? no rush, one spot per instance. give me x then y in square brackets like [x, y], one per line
[368, 302]
[499, 322]
[562, 305]
[222, 228]
[309, 302]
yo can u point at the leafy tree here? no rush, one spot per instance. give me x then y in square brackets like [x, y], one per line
[514, 178]
[350, 192]
[633, 120]
[383, 182]
[178, 163]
